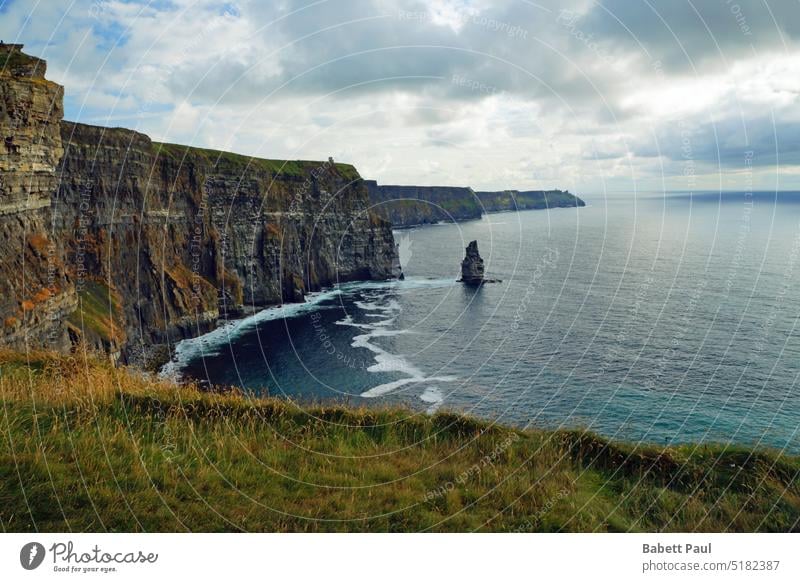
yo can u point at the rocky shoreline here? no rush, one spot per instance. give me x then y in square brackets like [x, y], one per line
[128, 245]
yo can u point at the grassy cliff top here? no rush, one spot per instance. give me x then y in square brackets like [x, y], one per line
[80, 134]
[16, 63]
[89, 447]
[297, 168]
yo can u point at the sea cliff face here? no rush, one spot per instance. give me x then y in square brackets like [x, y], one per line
[407, 206]
[35, 292]
[509, 200]
[413, 205]
[155, 242]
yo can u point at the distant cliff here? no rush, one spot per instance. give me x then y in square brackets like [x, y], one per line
[414, 205]
[125, 243]
[506, 200]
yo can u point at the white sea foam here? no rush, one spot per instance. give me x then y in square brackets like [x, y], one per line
[384, 360]
[215, 341]
[211, 343]
[382, 389]
[433, 396]
[387, 307]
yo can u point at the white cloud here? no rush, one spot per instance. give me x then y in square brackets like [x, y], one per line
[494, 94]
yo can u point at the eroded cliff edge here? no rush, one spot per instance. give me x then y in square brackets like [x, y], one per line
[137, 244]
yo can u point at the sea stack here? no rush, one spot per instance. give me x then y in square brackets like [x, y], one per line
[472, 265]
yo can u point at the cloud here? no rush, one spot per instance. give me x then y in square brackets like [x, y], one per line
[496, 94]
[691, 36]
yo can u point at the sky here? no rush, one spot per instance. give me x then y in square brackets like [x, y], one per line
[590, 96]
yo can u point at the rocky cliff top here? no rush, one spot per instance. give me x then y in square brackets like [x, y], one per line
[412, 205]
[15, 63]
[507, 200]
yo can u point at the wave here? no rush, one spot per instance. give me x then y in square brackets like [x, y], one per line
[384, 311]
[388, 387]
[386, 361]
[433, 396]
[211, 343]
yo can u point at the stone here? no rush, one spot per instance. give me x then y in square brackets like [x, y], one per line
[35, 291]
[472, 267]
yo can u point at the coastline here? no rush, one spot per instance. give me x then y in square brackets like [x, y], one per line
[486, 213]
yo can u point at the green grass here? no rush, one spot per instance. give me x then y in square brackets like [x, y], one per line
[11, 60]
[90, 447]
[98, 311]
[532, 200]
[229, 160]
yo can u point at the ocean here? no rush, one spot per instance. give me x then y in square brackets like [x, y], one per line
[660, 318]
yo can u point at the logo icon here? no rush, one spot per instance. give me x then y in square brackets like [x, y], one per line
[31, 555]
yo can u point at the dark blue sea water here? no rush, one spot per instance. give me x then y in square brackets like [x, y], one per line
[662, 318]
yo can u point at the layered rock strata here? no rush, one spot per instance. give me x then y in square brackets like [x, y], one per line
[413, 205]
[148, 242]
[472, 265]
[35, 291]
[511, 200]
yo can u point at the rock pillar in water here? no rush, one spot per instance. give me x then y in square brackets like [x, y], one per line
[472, 266]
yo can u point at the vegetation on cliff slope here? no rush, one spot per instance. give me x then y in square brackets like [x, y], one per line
[90, 447]
[241, 162]
[98, 313]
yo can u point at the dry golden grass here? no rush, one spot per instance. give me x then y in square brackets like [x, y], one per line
[87, 446]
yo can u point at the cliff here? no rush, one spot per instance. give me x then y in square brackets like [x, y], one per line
[154, 242]
[506, 200]
[414, 205]
[35, 291]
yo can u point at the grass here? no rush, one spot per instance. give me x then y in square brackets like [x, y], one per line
[11, 60]
[90, 447]
[537, 200]
[406, 212]
[98, 312]
[239, 162]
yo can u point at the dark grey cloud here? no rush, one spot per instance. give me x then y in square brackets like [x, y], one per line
[731, 143]
[566, 72]
[368, 46]
[685, 36]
